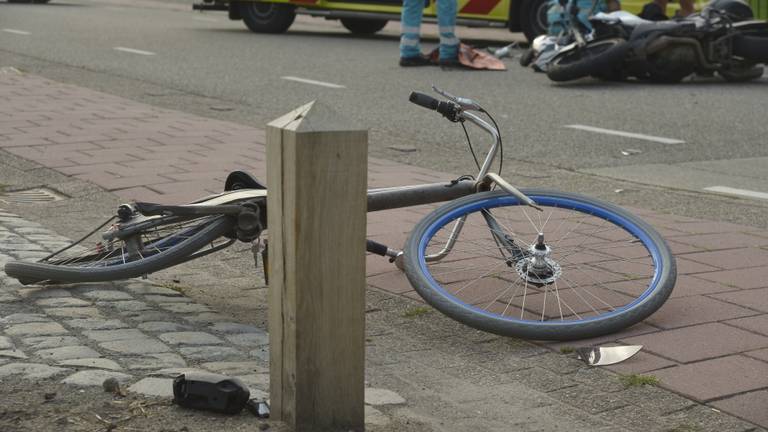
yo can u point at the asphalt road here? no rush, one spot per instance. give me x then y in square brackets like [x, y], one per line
[699, 147]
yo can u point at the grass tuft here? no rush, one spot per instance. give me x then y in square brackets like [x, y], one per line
[416, 311]
[567, 349]
[635, 380]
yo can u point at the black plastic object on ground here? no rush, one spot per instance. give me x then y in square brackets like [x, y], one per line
[210, 392]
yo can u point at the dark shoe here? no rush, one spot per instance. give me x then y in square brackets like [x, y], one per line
[419, 60]
[451, 64]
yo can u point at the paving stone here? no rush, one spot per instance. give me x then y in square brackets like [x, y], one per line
[185, 308]
[124, 306]
[30, 371]
[13, 353]
[750, 406]
[686, 311]
[176, 371]
[147, 289]
[95, 377]
[757, 324]
[154, 361]
[146, 316]
[697, 341]
[206, 317]
[162, 326]
[96, 324]
[261, 353]
[23, 318]
[98, 363]
[589, 399]
[754, 298]
[249, 339]
[162, 387]
[167, 299]
[211, 353]
[758, 354]
[235, 368]
[5, 343]
[107, 295]
[114, 335]
[74, 312]
[62, 302]
[374, 417]
[8, 298]
[754, 278]
[30, 255]
[36, 329]
[42, 342]
[190, 338]
[702, 418]
[379, 396]
[67, 352]
[725, 376]
[136, 346]
[44, 293]
[234, 328]
[255, 381]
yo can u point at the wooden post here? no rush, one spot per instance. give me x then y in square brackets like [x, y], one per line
[316, 212]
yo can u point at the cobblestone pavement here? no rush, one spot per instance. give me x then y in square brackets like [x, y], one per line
[707, 343]
[137, 332]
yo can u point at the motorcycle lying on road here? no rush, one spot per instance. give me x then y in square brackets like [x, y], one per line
[722, 40]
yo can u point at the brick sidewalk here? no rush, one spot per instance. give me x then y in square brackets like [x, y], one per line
[709, 342]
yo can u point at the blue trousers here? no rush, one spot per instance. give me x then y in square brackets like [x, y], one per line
[413, 10]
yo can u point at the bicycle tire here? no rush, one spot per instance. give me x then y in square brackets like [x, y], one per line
[35, 272]
[459, 305]
[596, 58]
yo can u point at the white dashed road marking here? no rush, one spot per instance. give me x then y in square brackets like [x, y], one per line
[309, 81]
[739, 192]
[18, 32]
[135, 51]
[626, 134]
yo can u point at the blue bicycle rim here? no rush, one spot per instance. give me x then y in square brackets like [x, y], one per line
[544, 201]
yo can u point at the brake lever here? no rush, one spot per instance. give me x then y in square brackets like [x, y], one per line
[464, 103]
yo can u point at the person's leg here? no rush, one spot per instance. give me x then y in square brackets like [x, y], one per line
[410, 25]
[686, 8]
[446, 21]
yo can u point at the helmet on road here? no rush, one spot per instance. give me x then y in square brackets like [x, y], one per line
[737, 10]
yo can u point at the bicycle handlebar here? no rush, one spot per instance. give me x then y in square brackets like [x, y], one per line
[449, 110]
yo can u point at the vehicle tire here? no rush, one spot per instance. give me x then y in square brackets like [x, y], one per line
[363, 26]
[267, 17]
[601, 269]
[752, 47]
[533, 18]
[742, 74]
[595, 58]
[527, 57]
[163, 246]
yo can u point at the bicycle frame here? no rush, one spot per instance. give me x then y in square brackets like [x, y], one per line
[378, 199]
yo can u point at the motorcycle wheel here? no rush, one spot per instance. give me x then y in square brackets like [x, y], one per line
[752, 47]
[595, 58]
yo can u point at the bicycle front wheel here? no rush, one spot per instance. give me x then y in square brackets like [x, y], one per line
[579, 269]
[150, 246]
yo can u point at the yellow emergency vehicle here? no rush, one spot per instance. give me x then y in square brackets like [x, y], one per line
[370, 16]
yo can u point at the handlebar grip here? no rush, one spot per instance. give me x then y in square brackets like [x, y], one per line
[424, 100]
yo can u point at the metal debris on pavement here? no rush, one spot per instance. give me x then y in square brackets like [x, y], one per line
[603, 356]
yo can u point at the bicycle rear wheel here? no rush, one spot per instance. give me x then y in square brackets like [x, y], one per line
[127, 251]
[580, 269]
